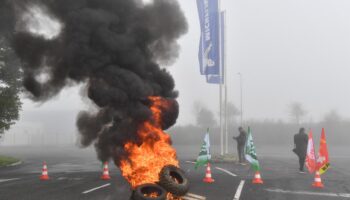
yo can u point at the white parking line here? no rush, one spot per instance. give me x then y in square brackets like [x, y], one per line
[188, 198]
[15, 164]
[191, 162]
[239, 190]
[226, 171]
[69, 179]
[6, 180]
[93, 189]
[191, 196]
[344, 195]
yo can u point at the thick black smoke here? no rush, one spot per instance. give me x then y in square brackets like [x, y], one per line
[113, 46]
[6, 18]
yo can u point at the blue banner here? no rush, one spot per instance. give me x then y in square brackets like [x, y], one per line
[216, 78]
[209, 47]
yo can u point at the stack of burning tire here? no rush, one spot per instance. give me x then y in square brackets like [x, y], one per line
[171, 180]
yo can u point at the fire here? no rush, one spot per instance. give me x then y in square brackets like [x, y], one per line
[147, 160]
[154, 194]
[171, 197]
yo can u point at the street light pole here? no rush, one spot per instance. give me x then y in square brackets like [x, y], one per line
[241, 86]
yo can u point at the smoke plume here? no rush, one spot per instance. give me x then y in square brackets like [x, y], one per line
[112, 46]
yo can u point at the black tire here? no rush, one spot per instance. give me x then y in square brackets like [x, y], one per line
[174, 180]
[140, 191]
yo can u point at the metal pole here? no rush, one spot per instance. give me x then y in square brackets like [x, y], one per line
[225, 78]
[28, 137]
[221, 84]
[221, 128]
[42, 137]
[241, 86]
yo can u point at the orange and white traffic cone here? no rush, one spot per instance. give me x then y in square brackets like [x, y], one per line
[105, 175]
[318, 181]
[208, 178]
[257, 178]
[44, 174]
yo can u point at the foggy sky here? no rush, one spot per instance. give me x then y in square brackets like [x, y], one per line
[286, 50]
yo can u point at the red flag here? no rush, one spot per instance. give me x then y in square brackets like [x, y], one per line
[323, 160]
[310, 155]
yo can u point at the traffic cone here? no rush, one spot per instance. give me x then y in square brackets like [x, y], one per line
[318, 181]
[257, 178]
[208, 178]
[105, 175]
[44, 174]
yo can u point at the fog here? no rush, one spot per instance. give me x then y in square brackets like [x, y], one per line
[287, 51]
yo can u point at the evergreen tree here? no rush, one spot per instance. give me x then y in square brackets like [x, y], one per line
[10, 85]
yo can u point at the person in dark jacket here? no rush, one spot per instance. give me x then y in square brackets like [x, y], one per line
[241, 139]
[300, 147]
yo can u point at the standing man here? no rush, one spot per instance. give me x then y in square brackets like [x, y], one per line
[300, 147]
[241, 139]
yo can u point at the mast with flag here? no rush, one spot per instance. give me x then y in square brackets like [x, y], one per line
[212, 56]
[250, 152]
[310, 160]
[252, 158]
[323, 158]
[204, 155]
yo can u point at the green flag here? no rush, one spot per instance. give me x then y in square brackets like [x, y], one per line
[204, 155]
[250, 153]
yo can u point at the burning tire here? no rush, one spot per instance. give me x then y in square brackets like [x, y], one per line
[174, 180]
[149, 192]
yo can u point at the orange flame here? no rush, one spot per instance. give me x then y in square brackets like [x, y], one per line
[172, 197]
[145, 161]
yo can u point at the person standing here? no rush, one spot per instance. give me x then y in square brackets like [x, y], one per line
[300, 147]
[241, 140]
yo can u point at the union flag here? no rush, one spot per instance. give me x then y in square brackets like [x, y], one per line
[310, 161]
[323, 159]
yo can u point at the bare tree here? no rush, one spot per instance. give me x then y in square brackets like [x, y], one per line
[296, 112]
[332, 118]
[232, 112]
[204, 117]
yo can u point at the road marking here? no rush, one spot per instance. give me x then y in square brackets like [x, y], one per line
[226, 171]
[310, 193]
[93, 189]
[191, 196]
[218, 168]
[15, 164]
[6, 180]
[69, 179]
[239, 190]
[188, 198]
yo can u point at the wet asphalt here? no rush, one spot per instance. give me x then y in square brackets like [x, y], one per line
[75, 174]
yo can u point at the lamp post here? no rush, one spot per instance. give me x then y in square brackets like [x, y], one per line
[241, 86]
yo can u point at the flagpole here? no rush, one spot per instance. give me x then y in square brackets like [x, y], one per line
[316, 157]
[221, 84]
[221, 128]
[225, 77]
[208, 151]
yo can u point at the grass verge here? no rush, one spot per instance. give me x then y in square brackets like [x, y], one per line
[226, 158]
[5, 161]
